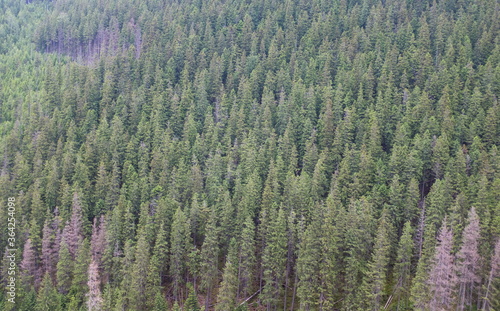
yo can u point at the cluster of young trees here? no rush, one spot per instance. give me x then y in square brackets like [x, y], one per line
[251, 155]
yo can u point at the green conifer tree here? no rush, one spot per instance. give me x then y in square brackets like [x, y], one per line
[273, 260]
[65, 268]
[47, 299]
[375, 281]
[210, 258]
[226, 298]
[403, 268]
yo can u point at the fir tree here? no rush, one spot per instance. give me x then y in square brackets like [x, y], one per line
[210, 258]
[65, 268]
[308, 265]
[403, 268]
[273, 260]
[80, 273]
[246, 260]
[160, 304]
[191, 303]
[178, 252]
[139, 274]
[47, 298]
[376, 277]
[226, 299]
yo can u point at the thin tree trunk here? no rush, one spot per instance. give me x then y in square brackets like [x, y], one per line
[287, 274]
[239, 282]
[485, 299]
[421, 225]
[294, 291]
[207, 300]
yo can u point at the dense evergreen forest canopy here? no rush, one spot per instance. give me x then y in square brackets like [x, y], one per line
[251, 154]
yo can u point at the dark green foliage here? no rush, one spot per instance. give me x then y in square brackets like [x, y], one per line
[191, 303]
[274, 259]
[403, 268]
[160, 304]
[226, 297]
[247, 148]
[48, 298]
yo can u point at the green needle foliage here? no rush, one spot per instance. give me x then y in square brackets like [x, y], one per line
[250, 155]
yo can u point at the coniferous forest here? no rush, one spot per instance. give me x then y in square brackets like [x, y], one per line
[233, 155]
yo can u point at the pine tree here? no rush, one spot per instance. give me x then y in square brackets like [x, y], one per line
[176, 307]
[440, 155]
[357, 229]
[139, 274]
[273, 260]
[210, 258]
[376, 276]
[80, 272]
[48, 298]
[125, 277]
[157, 263]
[65, 267]
[327, 127]
[308, 265]
[28, 302]
[403, 273]
[226, 298]
[319, 186]
[178, 252]
[191, 303]
[160, 304]
[246, 260]
[397, 201]
[329, 264]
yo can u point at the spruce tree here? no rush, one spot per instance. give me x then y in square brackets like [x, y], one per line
[191, 303]
[160, 304]
[273, 260]
[330, 256]
[375, 280]
[47, 298]
[226, 298]
[50, 244]
[139, 275]
[308, 266]
[80, 272]
[246, 259]
[210, 258]
[178, 252]
[65, 268]
[403, 267]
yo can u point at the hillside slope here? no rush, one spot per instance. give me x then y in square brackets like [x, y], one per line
[251, 154]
